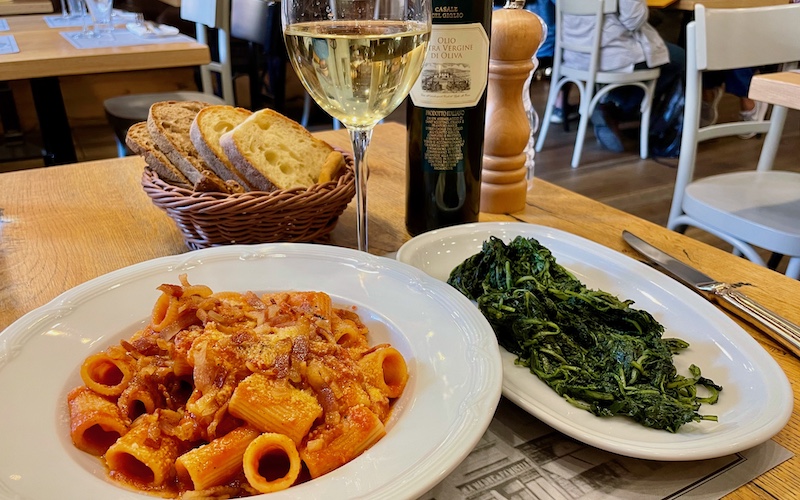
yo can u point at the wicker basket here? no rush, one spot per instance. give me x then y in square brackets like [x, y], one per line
[211, 219]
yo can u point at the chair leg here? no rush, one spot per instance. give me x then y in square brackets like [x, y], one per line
[122, 151]
[793, 269]
[306, 110]
[644, 126]
[583, 124]
[548, 112]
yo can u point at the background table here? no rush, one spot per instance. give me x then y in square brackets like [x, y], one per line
[61, 226]
[16, 7]
[781, 89]
[44, 55]
[725, 4]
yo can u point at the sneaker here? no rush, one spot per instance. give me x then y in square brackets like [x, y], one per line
[709, 114]
[557, 116]
[756, 114]
[605, 129]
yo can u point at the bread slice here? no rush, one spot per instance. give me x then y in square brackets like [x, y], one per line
[272, 151]
[205, 132]
[168, 124]
[140, 142]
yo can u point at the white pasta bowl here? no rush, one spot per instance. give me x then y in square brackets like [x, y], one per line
[452, 355]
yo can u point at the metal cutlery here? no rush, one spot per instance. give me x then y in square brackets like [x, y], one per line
[725, 294]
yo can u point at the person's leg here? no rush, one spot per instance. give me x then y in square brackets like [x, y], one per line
[674, 69]
[738, 84]
[713, 89]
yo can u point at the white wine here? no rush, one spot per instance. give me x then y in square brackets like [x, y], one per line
[358, 71]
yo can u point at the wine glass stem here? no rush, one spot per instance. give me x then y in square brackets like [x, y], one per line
[360, 141]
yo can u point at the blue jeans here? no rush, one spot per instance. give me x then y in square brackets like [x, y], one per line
[629, 99]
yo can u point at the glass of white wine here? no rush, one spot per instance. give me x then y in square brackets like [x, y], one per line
[358, 59]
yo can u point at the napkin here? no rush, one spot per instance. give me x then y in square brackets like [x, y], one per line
[152, 30]
[8, 45]
[3, 24]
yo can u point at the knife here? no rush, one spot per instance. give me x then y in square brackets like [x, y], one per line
[725, 294]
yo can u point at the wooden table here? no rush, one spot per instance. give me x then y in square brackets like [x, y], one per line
[781, 89]
[44, 55]
[660, 4]
[16, 7]
[724, 4]
[61, 226]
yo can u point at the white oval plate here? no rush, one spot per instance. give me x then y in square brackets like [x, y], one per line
[756, 400]
[453, 357]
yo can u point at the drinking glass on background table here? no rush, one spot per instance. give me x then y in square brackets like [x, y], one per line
[75, 8]
[101, 15]
[358, 59]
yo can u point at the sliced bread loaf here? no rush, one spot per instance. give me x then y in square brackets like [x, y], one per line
[168, 124]
[272, 151]
[207, 128]
[138, 139]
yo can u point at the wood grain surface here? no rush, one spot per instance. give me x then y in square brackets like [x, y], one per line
[44, 52]
[17, 7]
[781, 88]
[61, 226]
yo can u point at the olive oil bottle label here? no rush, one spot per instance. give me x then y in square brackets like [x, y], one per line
[455, 73]
[443, 140]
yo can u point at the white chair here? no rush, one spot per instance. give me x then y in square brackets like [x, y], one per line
[592, 84]
[125, 110]
[259, 22]
[748, 209]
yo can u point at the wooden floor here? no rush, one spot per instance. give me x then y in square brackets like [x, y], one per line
[622, 180]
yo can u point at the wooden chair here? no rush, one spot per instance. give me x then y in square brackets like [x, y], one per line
[592, 83]
[754, 208]
[123, 111]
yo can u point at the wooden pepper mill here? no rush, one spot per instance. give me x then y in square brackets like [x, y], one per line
[516, 36]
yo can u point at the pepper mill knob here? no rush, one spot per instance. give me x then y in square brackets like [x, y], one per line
[516, 36]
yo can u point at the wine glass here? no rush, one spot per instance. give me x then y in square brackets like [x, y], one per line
[358, 59]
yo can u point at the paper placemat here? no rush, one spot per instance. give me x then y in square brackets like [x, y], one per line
[3, 25]
[120, 37]
[8, 45]
[59, 21]
[520, 454]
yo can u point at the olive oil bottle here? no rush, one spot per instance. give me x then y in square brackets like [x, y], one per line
[445, 118]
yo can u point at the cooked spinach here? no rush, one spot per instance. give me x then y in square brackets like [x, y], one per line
[593, 349]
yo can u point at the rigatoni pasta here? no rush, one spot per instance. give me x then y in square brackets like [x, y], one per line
[232, 394]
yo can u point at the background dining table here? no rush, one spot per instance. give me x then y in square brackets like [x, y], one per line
[781, 88]
[16, 7]
[44, 55]
[61, 226]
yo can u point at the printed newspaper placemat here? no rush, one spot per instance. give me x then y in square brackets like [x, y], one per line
[521, 457]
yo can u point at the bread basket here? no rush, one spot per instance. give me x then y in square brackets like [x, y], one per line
[209, 219]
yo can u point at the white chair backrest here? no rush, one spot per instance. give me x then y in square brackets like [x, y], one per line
[210, 13]
[596, 8]
[743, 38]
[249, 20]
[213, 14]
[720, 39]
